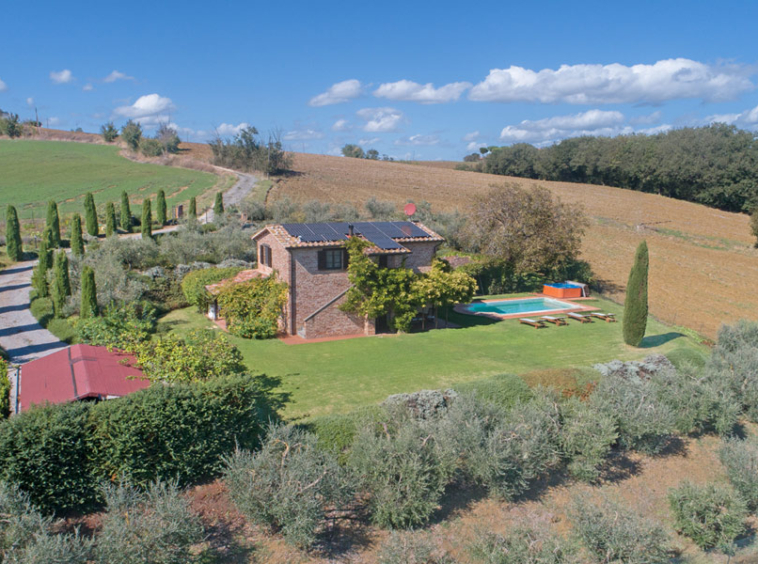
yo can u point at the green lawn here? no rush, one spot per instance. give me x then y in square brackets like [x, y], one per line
[337, 376]
[34, 172]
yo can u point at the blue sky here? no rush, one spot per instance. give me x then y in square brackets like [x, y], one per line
[411, 79]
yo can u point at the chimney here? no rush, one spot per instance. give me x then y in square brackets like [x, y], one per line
[350, 230]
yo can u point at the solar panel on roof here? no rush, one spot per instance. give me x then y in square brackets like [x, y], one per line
[385, 243]
[410, 229]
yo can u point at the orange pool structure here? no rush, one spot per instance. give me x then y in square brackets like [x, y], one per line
[562, 290]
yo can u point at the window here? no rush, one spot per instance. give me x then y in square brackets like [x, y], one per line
[383, 261]
[332, 259]
[264, 255]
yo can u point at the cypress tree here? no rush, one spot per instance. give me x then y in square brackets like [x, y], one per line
[39, 278]
[54, 223]
[635, 304]
[218, 206]
[88, 306]
[61, 283]
[147, 220]
[77, 242]
[90, 215]
[160, 208]
[126, 213]
[110, 219]
[13, 244]
[47, 241]
[193, 208]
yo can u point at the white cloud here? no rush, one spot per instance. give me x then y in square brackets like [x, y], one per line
[592, 122]
[369, 141]
[746, 119]
[88, 87]
[663, 128]
[53, 121]
[473, 136]
[342, 125]
[62, 77]
[419, 139]
[148, 110]
[649, 119]
[116, 75]
[338, 93]
[615, 83]
[30, 101]
[302, 134]
[380, 119]
[475, 145]
[3, 86]
[407, 90]
[228, 130]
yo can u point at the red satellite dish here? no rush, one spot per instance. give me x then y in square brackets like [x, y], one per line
[410, 209]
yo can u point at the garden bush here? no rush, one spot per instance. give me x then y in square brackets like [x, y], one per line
[194, 283]
[522, 545]
[411, 548]
[155, 525]
[735, 360]
[740, 458]
[613, 533]
[505, 390]
[45, 451]
[120, 326]
[424, 404]
[713, 516]
[587, 435]
[336, 433]
[288, 484]
[5, 390]
[177, 432]
[252, 309]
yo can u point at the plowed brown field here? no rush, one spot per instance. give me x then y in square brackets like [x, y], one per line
[703, 269]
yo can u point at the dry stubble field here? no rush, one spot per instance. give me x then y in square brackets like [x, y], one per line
[702, 264]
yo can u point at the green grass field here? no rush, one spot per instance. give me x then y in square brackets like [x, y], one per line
[338, 376]
[34, 172]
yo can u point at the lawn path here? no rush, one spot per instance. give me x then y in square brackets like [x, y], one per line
[20, 334]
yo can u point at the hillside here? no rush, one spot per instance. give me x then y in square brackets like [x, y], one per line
[703, 265]
[34, 172]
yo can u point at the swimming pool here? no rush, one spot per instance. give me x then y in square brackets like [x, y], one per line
[520, 306]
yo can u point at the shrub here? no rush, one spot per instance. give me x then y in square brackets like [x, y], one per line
[131, 133]
[90, 215]
[734, 360]
[336, 433]
[288, 484]
[252, 309]
[614, 533]
[505, 390]
[77, 241]
[411, 548]
[5, 390]
[178, 432]
[740, 458]
[424, 404]
[643, 423]
[203, 354]
[218, 205]
[120, 326]
[154, 526]
[109, 132]
[401, 472]
[713, 516]
[194, 283]
[151, 147]
[42, 310]
[635, 305]
[522, 545]
[586, 438]
[62, 329]
[192, 208]
[189, 244]
[44, 451]
[13, 244]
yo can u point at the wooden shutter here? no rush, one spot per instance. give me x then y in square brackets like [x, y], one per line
[268, 256]
[321, 260]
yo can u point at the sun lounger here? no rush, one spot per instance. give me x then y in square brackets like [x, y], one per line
[533, 322]
[607, 317]
[579, 317]
[553, 319]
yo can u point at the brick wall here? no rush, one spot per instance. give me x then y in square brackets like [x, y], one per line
[422, 253]
[330, 322]
[280, 262]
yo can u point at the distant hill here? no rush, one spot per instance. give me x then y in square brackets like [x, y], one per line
[34, 172]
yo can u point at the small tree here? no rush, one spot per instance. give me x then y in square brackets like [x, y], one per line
[635, 304]
[126, 213]
[77, 241]
[193, 208]
[218, 206]
[353, 151]
[147, 220]
[13, 243]
[90, 215]
[88, 307]
[160, 208]
[131, 133]
[53, 223]
[110, 219]
[109, 132]
[61, 288]
[443, 286]
[168, 138]
[39, 279]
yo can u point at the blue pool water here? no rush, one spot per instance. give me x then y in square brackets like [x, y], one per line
[526, 305]
[563, 285]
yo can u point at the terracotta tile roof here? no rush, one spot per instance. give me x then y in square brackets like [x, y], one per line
[244, 276]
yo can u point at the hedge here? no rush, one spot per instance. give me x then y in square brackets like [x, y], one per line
[60, 454]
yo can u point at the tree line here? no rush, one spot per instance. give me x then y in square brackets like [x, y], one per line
[716, 165]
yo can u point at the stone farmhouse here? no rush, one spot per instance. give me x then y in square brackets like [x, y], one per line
[312, 260]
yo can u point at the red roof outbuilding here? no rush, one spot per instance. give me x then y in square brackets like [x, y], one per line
[78, 372]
